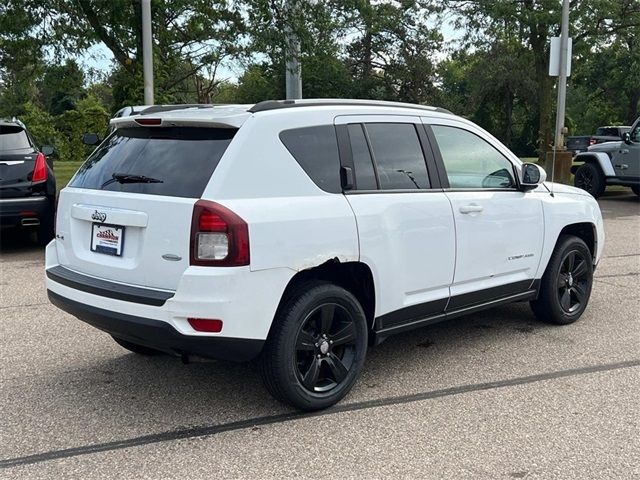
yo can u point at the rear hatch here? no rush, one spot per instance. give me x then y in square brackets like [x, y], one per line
[17, 161]
[126, 214]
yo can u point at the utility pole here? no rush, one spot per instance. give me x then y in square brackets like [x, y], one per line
[562, 77]
[147, 52]
[293, 69]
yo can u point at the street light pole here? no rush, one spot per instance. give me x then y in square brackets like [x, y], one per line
[147, 52]
[562, 77]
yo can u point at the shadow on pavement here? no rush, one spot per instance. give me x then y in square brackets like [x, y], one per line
[18, 241]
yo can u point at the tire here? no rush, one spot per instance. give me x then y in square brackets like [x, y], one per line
[565, 287]
[316, 347]
[135, 348]
[589, 177]
[636, 189]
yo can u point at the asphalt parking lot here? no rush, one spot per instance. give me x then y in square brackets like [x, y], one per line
[493, 395]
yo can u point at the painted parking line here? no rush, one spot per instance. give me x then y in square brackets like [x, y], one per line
[209, 430]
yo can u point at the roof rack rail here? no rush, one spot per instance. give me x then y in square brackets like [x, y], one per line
[169, 108]
[268, 105]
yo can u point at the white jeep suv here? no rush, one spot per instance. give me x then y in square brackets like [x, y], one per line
[299, 233]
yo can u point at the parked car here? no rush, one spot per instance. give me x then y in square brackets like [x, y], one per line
[581, 143]
[298, 233]
[27, 182]
[611, 163]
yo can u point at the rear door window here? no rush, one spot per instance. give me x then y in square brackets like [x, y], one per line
[176, 161]
[362, 163]
[13, 139]
[397, 155]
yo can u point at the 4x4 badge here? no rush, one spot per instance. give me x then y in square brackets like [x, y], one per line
[99, 216]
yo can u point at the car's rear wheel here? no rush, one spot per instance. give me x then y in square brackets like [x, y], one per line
[565, 287]
[316, 348]
[636, 189]
[135, 348]
[589, 177]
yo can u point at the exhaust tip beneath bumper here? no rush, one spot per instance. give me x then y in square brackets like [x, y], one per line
[29, 222]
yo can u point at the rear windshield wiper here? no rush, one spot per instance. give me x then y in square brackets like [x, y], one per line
[130, 178]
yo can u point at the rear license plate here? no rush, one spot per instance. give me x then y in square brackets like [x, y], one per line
[107, 239]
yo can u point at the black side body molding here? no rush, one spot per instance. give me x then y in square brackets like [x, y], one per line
[424, 314]
[108, 289]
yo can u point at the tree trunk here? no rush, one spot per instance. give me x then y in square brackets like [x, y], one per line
[545, 91]
[508, 114]
[632, 111]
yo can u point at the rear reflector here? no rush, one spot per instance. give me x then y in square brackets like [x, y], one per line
[211, 325]
[40, 169]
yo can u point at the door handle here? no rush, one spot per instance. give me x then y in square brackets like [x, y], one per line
[473, 208]
[626, 150]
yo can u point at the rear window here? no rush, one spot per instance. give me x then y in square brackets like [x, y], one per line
[608, 132]
[14, 139]
[179, 160]
[316, 150]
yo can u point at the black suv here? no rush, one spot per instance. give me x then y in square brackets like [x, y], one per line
[27, 183]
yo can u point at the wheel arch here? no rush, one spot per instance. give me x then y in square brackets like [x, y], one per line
[601, 159]
[355, 277]
[586, 231]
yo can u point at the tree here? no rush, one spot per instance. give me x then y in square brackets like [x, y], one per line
[61, 87]
[531, 23]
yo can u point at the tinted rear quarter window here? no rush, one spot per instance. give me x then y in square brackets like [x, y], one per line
[316, 150]
[14, 139]
[398, 157]
[183, 158]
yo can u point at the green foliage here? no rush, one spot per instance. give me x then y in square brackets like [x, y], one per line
[496, 75]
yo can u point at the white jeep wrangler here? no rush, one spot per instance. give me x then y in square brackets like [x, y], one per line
[299, 233]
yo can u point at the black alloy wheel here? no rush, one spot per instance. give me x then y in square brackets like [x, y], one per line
[325, 347]
[565, 287]
[317, 346]
[589, 178]
[573, 281]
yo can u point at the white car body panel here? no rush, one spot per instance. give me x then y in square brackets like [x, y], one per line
[418, 245]
[499, 245]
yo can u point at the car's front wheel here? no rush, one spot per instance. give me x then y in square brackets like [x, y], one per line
[636, 189]
[590, 178]
[316, 348]
[565, 287]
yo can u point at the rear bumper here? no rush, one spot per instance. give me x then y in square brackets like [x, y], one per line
[246, 301]
[14, 210]
[158, 334]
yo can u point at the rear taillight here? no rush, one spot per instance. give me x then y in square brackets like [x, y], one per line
[593, 141]
[219, 237]
[40, 170]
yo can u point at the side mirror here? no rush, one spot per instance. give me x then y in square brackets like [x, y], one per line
[532, 175]
[90, 139]
[626, 138]
[47, 150]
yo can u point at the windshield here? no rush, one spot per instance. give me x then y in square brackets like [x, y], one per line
[173, 161]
